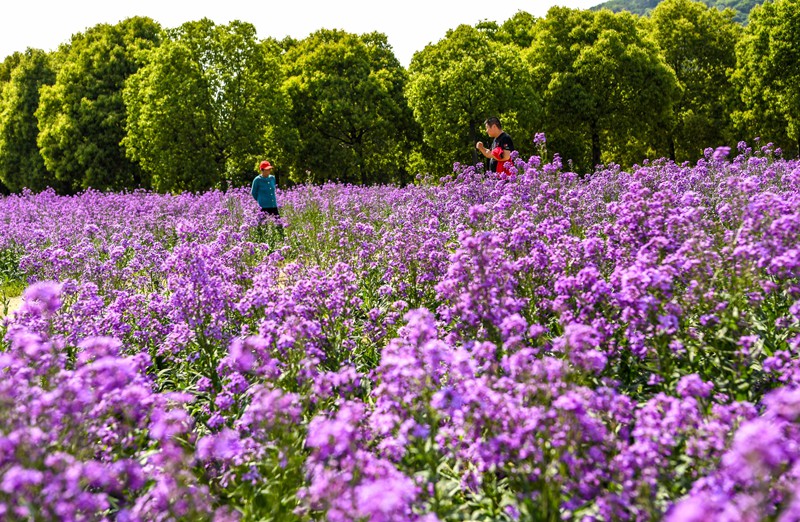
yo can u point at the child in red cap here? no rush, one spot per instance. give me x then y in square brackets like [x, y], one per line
[263, 189]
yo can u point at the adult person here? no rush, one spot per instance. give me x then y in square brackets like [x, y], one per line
[263, 189]
[500, 152]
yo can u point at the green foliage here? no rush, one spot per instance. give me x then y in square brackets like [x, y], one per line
[353, 122]
[116, 108]
[81, 117]
[455, 84]
[9, 265]
[21, 164]
[699, 44]
[639, 7]
[741, 8]
[12, 280]
[201, 109]
[768, 74]
[7, 66]
[517, 30]
[603, 81]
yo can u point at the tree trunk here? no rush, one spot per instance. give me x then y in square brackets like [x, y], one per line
[473, 139]
[671, 143]
[595, 147]
[359, 148]
[403, 177]
[361, 170]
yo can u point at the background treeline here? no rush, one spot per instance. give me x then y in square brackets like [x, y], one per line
[645, 7]
[137, 105]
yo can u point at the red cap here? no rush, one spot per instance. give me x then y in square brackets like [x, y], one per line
[265, 165]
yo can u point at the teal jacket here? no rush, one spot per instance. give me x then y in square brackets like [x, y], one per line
[263, 191]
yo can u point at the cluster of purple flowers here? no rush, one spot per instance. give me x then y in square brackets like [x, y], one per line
[622, 346]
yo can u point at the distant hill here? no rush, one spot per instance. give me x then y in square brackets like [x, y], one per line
[643, 7]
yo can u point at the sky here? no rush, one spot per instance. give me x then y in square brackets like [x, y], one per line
[409, 25]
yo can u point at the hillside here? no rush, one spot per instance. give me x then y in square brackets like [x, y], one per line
[643, 7]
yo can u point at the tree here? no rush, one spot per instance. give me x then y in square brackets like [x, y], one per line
[82, 115]
[352, 119]
[605, 85]
[517, 30]
[200, 111]
[455, 84]
[8, 65]
[21, 164]
[768, 74]
[645, 7]
[699, 44]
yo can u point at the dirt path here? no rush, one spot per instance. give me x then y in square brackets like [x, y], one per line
[13, 305]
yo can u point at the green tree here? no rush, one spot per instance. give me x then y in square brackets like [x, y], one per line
[21, 164]
[517, 30]
[768, 74]
[8, 65]
[605, 85]
[202, 109]
[699, 44]
[644, 7]
[348, 107]
[455, 84]
[82, 115]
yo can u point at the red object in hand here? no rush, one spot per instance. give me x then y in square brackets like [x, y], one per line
[500, 169]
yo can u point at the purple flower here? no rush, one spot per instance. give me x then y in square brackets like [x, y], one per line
[476, 212]
[16, 479]
[224, 445]
[165, 425]
[44, 297]
[693, 509]
[332, 437]
[693, 386]
[720, 153]
[386, 499]
[242, 356]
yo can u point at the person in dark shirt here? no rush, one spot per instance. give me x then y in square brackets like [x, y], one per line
[500, 152]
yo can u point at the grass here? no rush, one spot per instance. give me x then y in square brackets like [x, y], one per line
[11, 289]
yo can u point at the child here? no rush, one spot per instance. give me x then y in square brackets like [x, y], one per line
[263, 189]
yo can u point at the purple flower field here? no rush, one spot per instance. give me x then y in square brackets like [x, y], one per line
[545, 347]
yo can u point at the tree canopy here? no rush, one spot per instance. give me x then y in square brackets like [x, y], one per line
[456, 83]
[21, 162]
[352, 120]
[202, 108]
[768, 73]
[82, 115]
[189, 108]
[699, 44]
[604, 82]
[740, 8]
